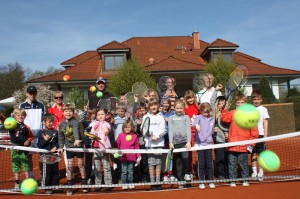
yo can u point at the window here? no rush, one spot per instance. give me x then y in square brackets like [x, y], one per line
[226, 55]
[113, 61]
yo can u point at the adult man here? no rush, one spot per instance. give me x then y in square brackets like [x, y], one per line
[56, 109]
[206, 93]
[97, 102]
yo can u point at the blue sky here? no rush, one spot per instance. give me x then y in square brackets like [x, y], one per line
[39, 34]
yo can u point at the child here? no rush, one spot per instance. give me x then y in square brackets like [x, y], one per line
[220, 133]
[20, 136]
[128, 160]
[180, 137]
[47, 139]
[87, 119]
[256, 98]
[143, 169]
[204, 124]
[191, 109]
[101, 129]
[69, 135]
[167, 112]
[157, 131]
[238, 153]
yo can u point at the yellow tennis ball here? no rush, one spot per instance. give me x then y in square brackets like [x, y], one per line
[10, 123]
[29, 186]
[246, 116]
[128, 138]
[93, 89]
[116, 155]
[269, 161]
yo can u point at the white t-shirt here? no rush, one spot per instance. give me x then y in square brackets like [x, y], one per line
[205, 95]
[263, 114]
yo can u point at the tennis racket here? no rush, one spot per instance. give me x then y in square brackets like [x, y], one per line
[139, 89]
[198, 82]
[94, 137]
[162, 84]
[50, 158]
[169, 162]
[145, 127]
[237, 80]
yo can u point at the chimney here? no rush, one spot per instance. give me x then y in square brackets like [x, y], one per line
[196, 40]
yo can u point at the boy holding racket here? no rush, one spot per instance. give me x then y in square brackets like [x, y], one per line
[20, 136]
[47, 139]
[239, 153]
[69, 135]
[256, 99]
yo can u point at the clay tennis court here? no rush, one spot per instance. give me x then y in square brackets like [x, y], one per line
[288, 150]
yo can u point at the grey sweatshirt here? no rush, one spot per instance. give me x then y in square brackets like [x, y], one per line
[68, 132]
[179, 129]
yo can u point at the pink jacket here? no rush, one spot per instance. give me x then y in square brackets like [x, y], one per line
[98, 130]
[122, 143]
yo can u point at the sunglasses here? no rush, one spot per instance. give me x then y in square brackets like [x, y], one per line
[58, 97]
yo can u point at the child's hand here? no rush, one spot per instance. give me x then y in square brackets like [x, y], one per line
[127, 116]
[138, 160]
[219, 87]
[27, 143]
[216, 129]
[106, 131]
[46, 137]
[77, 142]
[188, 146]
[166, 119]
[171, 145]
[198, 127]
[85, 108]
[53, 150]
[60, 151]
[138, 121]
[153, 138]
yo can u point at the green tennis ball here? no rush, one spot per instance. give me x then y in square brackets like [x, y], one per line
[99, 94]
[116, 155]
[10, 123]
[29, 186]
[246, 116]
[269, 161]
[128, 138]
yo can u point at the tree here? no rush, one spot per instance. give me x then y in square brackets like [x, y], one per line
[50, 70]
[12, 77]
[130, 72]
[44, 95]
[266, 90]
[76, 97]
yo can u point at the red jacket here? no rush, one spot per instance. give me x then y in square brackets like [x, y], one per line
[236, 133]
[58, 115]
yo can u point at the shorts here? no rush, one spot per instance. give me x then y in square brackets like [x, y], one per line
[154, 159]
[260, 146]
[71, 154]
[18, 159]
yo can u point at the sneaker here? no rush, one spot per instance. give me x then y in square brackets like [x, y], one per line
[254, 175]
[245, 184]
[48, 192]
[201, 186]
[84, 190]
[124, 187]
[172, 178]
[232, 184]
[69, 192]
[153, 188]
[166, 179]
[17, 186]
[131, 187]
[260, 176]
[159, 187]
[187, 177]
[180, 187]
[211, 185]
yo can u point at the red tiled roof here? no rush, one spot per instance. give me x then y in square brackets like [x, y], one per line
[80, 58]
[256, 67]
[222, 43]
[112, 45]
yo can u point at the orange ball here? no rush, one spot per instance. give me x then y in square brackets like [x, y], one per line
[93, 89]
[66, 78]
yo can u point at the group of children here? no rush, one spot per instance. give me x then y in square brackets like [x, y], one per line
[174, 123]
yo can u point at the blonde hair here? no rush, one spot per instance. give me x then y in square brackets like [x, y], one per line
[128, 122]
[205, 108]
[178, 102]
[240, 97]
[187, 95]
[19, 111]
[58, 92]
[68, 106]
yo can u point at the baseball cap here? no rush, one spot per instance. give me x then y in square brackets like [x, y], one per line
[31, 89]
[100, 79]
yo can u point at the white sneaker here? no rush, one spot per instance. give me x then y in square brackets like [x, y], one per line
[201, 186]
[245, 184]
[124, 187]
[180, 187]
[187, 177]
[232, 184]
[172, 179]
[254, 175]
[17, 186]
[260, 176]
[166, 179]
[211, 185]
[131, 187]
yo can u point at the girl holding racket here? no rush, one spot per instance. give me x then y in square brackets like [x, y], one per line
[47, 139]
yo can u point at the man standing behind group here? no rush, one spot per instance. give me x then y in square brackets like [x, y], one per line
[56, 109]
[94, 100]
[206, 93]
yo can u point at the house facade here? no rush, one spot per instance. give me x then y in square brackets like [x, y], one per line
[178, 56]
